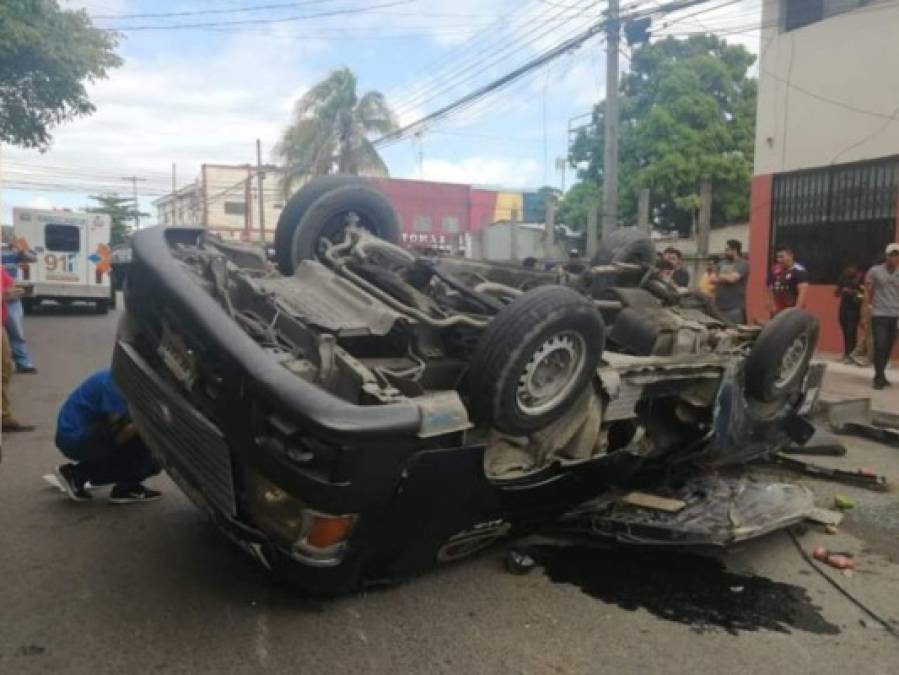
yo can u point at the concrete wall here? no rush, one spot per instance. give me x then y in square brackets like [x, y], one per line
[827, 91]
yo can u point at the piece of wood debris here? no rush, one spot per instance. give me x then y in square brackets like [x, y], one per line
[654, 502]
[825, 516]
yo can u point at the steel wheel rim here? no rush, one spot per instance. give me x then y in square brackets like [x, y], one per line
[791, 361]
[551, 373]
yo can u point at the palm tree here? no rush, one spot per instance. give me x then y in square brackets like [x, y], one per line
[330, 131]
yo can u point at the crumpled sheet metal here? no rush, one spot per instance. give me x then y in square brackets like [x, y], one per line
[719, 511]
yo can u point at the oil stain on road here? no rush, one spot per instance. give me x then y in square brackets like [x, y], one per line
[687, 588]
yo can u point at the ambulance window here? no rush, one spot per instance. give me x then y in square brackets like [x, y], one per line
[63, 238]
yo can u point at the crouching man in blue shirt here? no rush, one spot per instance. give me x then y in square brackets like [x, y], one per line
[95, 432]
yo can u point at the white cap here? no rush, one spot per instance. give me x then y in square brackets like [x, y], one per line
[892, 248]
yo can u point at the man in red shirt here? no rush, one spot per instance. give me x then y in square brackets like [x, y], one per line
[10, 423]
[787, 282]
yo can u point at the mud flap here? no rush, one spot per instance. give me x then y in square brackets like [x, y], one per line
[717, 511]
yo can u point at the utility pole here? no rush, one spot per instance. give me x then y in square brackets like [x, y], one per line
[248, 204]
[592, 245]
[643, 212]
[610, 154]
[134, 180]
[260, 176]
[174, 181]
[705, 218]
[550, 246]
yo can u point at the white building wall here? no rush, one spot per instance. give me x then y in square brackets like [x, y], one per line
[829, 91]
[218, 200]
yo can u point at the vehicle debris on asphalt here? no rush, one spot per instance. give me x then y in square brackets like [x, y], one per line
[855, 416]
[860, 477]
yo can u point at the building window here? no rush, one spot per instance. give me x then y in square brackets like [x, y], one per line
[836, 216]
[421, 223]
[799, 13]
[62, 238]
[235, 208]
[450, 225]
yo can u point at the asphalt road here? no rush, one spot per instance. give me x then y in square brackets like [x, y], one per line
[101, 588]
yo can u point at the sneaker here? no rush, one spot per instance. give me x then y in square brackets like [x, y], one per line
[74, 489]
[880, 384]
[128, 494]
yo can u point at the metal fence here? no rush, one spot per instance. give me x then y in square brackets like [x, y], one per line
[836, 216]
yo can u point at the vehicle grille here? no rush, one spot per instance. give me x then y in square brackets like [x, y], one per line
[174, 430]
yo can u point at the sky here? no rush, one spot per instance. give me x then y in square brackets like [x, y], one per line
[202, 83]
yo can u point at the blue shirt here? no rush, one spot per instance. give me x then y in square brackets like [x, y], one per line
[89, 406]
[11, 262]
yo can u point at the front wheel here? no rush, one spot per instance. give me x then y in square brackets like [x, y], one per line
[778, 361]
[535, 359]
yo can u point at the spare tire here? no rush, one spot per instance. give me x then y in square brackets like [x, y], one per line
[778, 361]
[625, 245]
[296, 207]
[326, 219]
[534, 359]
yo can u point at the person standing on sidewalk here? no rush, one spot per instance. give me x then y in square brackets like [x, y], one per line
[13, 254]
[96, 433]
[9, 423]
[851, 292]
[787, 283]
[882, 294]
[730, 283]
[680, 275]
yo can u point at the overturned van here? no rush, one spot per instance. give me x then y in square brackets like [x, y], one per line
[361, 413]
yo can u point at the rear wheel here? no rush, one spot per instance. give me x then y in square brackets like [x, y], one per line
[327, 219]
[534, 359]
[625, 245]
[294, 210]
[113, 297]
[101, 306]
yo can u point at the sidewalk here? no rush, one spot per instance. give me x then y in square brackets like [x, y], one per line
[842, 381]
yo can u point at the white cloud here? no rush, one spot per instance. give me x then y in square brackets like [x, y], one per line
[482, 171]
[40, 203]
[172, 108]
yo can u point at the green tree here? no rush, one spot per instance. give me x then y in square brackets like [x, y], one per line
[120, 210]
[687, 111]
[576, 204]
[330, 131]
[47, 54]
[545, 193]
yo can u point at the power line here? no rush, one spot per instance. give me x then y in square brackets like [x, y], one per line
[246, 22]
[204, 12]
[478, 59]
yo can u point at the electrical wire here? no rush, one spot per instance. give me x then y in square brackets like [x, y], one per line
[486, 57]
[248, 22]
[855, 601]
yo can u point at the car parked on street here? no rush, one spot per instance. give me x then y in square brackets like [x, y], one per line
[362, 413]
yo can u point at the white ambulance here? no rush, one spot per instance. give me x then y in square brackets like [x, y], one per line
[72, 257]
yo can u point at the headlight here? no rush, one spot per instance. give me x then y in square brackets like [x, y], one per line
[316, 537]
